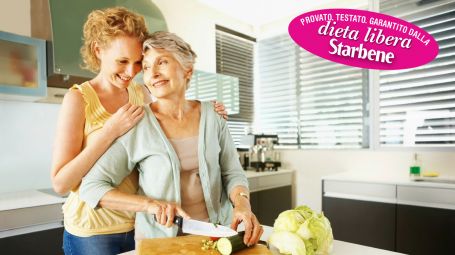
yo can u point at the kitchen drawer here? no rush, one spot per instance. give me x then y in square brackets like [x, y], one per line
[375, 192]
[270, 181]
[24, 217]
[426, 197]
[46, 242]
[253, 184]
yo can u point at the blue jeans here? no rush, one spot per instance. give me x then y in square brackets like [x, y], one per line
[109, 244]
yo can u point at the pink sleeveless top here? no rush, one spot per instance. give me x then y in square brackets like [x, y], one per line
[190, 184]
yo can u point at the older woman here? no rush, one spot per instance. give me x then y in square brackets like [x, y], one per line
[186, 158]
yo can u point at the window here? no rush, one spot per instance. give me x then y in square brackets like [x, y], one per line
[277, 92]
[417, 106]
[308, 101]
[235, 57]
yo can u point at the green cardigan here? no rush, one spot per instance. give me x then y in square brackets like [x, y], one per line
[146, 147]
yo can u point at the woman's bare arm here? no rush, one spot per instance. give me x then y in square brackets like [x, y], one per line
[70, 161]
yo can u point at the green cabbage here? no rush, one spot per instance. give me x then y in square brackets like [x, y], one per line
[311, 228]
[289, 220]
[287, 243]
[305, 211]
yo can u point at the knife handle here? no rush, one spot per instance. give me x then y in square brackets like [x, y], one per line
[178, 220]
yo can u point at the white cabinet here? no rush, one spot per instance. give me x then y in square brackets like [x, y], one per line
[22, 67]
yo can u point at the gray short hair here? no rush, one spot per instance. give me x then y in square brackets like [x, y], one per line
[172, 43]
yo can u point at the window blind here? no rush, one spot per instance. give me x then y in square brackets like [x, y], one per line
[417, 106]
[331, 103]
[235, 57]
[308, 101]
[277, 111]
[211, 86]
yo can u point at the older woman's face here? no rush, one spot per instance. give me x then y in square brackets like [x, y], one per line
[163, 74]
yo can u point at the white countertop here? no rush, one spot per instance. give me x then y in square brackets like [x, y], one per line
[27, 198]
[399, 179]
[339, 247]
[345, 248]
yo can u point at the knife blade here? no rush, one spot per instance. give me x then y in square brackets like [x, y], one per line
[202, 228]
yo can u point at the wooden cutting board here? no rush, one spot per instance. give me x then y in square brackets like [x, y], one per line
[188, 245]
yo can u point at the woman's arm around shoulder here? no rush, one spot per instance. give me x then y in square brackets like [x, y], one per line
[70, 160]
[232, 172]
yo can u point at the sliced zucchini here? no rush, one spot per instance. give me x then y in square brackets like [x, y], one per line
[228, 245]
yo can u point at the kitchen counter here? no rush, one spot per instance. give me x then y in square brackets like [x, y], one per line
[29, 211]
[389, 189]
[27, 198]
[397, 179]
[269, 179]
[391, 212]
[339, 247]
[36, 210]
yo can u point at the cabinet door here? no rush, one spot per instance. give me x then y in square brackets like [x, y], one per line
[424, 230]
[361, 222]
[48, 242]
[254, 200]
[22, 67]
[272, 202]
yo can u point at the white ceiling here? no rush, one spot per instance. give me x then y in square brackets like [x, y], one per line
[261, 12]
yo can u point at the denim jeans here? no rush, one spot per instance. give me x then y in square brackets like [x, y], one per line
[110, 244]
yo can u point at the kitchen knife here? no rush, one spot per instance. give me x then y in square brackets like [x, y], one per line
[202, 228]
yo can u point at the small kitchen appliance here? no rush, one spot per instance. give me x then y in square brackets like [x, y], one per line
[262, 155]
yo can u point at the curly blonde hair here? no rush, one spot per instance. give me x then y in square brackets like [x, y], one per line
[103, 26]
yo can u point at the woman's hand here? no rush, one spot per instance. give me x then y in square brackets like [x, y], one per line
[165, 211]
[220, 109]
[123, 120]
[243, 213]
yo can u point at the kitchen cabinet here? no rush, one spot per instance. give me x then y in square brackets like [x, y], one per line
[425, 230]
[361, 222]
[362, 214]
[31, 222]
[269, 203]
[46, 242]
[407, 217]
[22, 67]
[270, 194]
[425, 220]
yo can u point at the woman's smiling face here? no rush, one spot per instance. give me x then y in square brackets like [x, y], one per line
[163, 74]
[120, 60]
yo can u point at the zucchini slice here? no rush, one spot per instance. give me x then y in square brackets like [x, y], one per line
[228, 245]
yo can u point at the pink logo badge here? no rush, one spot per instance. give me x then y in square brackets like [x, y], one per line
[363, 39]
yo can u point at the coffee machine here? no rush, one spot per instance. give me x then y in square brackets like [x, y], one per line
[262, 155]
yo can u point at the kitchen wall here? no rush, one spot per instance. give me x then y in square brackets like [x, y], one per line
[26, 129]
[15, 17]
[26, 136]
[195, 23]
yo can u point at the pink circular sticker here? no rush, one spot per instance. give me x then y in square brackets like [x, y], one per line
[363, 39]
